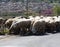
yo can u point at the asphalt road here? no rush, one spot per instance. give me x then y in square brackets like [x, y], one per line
[52, 40]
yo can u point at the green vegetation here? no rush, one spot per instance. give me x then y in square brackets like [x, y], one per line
[11, 14]
[4, 31]
[30, 13]
[56, 10]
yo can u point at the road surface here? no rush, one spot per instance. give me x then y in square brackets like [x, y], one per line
[52, 40]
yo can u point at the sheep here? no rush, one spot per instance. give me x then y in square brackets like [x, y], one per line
[38, 27]
[19, 17]
[57, 21]
[34, 25]
[50, 25]
[1, 20]
[21, 26]
[8, 22]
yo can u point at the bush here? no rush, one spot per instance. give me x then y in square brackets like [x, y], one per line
[6, 31]
[30, 13]
[56, 10]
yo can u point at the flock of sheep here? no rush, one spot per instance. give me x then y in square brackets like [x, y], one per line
[38, 25]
